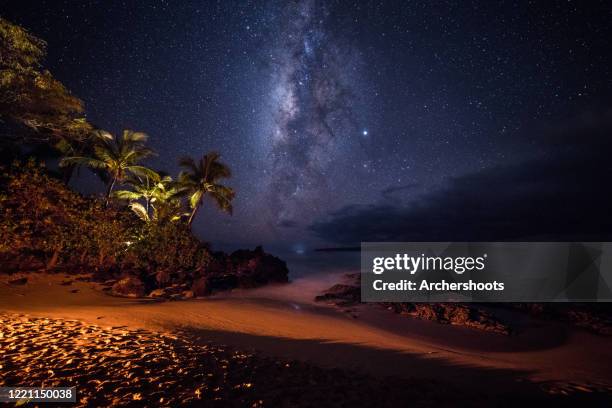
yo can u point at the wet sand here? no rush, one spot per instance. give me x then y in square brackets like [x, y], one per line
[282, 322]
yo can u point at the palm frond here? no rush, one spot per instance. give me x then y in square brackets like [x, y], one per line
[223, 196]
[103, 153]
[140, 211]
[134, 137]
[134, 155]
[64, 147]
[83, 161]
[103, 135]
[142, 171]
[195, 198]
[126, 195]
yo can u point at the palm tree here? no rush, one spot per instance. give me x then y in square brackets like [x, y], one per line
[202, 178]
[116, 157]
[167, 204]
[142, 188]
[161, 196]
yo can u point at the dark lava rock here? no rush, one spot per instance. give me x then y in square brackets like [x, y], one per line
[451, 313]
[129, 286]
[241, 269]
[341, 295]
[256, 268]
[18, 281]
[458, 314]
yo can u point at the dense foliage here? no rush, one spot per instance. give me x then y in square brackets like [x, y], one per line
[34, 106]
[43, 224]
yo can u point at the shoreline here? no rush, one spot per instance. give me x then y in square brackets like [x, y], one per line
[276, 323]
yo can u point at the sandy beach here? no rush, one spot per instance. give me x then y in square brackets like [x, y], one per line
[282, 322]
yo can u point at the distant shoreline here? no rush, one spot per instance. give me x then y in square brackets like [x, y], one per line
[338, 249]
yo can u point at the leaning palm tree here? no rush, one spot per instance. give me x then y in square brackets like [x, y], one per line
[117, 158]
[202, 178]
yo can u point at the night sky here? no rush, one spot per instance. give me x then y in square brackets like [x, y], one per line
[353, 121]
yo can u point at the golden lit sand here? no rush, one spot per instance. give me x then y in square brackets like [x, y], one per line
[117, 366]
[278, 323]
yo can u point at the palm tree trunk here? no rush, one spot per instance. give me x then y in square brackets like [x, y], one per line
[109, 190]
[193, 213]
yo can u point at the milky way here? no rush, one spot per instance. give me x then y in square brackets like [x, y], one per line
[313, 74]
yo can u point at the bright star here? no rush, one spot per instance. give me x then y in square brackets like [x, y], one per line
[365, 132]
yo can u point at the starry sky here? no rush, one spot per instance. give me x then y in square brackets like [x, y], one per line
[353, 121]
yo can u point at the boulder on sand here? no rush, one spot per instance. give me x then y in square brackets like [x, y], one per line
[158, 293]
[18, 281]
[129, 286]
[341, 295]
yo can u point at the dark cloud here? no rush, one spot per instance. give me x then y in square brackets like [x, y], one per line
[562, 194]
[392, 194]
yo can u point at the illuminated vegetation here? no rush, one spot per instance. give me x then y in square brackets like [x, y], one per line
[45, 225]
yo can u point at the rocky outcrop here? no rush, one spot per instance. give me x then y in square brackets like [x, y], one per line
[18, 281]
[240, 269]
[451, 313]
[256, 268]
[175, 292]
[349, 293]
[341, 295]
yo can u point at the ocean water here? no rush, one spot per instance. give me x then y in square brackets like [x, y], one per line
[310, 263]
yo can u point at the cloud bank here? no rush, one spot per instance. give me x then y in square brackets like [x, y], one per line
[562, 194]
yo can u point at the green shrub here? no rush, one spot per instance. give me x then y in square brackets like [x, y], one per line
[43, 224]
